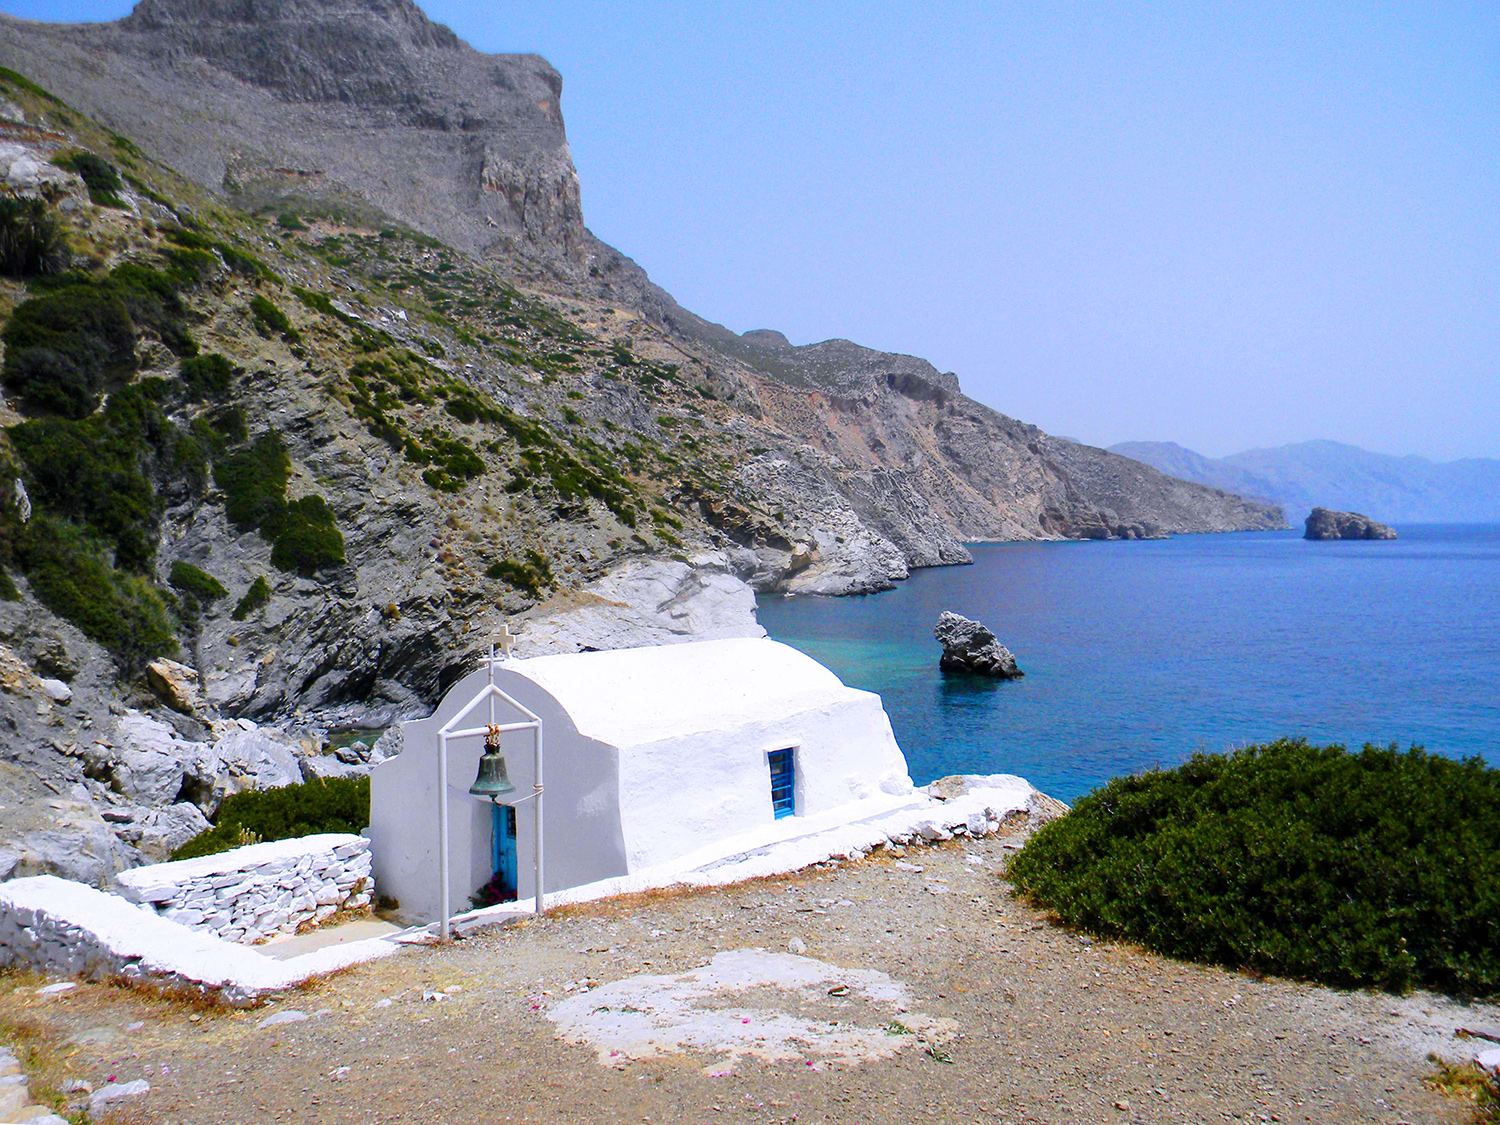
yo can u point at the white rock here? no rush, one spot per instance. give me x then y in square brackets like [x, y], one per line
[796, 946]
[57, 691]
[117, 1091]
[649, 602]
[291, 1015]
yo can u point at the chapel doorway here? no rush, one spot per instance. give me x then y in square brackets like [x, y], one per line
[503, 852]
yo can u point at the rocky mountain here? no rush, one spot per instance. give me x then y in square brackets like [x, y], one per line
[313, 376]
[365, 103]
[1330, 474]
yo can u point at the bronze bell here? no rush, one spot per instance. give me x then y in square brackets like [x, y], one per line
[492, 782]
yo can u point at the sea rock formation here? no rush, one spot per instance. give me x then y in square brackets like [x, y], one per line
[969, 646]
[1324, 523]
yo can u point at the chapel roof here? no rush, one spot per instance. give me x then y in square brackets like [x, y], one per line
[633, 696]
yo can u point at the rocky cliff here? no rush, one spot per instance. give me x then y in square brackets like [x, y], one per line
[1322, 523]
[366, 103]
[316, 377]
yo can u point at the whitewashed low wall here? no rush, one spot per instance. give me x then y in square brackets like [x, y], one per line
[252, 893]
[60, 927]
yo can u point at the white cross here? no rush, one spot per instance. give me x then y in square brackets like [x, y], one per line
[505, 639]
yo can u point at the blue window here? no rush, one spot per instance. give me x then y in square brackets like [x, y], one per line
[783, 780]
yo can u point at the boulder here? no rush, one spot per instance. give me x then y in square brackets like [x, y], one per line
[1324, 523]
[970, 647]
[26, 172]
[147, 761]
[252, 759]
[57, 691]
[157, 833]
[176, 685]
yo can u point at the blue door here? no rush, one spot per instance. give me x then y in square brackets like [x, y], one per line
[783, 780]
[503, 851]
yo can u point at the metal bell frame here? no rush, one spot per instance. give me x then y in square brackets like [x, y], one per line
[491, 731]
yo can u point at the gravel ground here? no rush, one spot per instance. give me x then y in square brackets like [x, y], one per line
[1018, 1021]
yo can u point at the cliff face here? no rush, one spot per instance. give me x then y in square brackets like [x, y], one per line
[336, 381]
[367, 103]
[867, 463]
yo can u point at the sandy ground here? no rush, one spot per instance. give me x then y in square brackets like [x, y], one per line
[989, 1014]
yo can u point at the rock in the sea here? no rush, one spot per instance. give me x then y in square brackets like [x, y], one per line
[1324, 523]
[970, 647]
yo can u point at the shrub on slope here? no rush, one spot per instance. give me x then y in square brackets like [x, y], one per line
[335, 804]
[1374, 868]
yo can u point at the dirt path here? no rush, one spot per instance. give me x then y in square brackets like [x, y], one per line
[1004, 1019]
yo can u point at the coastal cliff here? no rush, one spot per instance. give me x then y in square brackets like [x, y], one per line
[374, 109]
[358, 386]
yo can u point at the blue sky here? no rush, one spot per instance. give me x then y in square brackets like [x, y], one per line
[1229, 225]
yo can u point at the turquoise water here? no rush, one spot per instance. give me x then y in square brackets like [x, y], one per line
[1137, 654]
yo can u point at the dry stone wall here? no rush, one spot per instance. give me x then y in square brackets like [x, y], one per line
[250, 894]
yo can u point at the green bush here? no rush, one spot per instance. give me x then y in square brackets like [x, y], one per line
[1379, 868]
[269, 319]
[31, 239]
[302, 533]
[191, 582]
[289, 220]
[63, 345]
[102, 177]
[337, 804]
[254, 482]
[531, 577]
[304, 537]
[67, 342]
[206, 376]
[256, 596]
[70, 576]
[97, 470]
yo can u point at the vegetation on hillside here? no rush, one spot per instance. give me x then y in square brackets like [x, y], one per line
[505, 404]
[31, 239]
[335, 804]
[1378, 868]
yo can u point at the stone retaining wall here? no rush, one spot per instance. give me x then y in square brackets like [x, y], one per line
[59, 927]
[252, 893]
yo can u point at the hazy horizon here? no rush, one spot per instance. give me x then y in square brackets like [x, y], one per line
[1228, 227]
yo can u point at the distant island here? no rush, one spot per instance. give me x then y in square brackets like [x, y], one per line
[1342, 477]
[1322, 523]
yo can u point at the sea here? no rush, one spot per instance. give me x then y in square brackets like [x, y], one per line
[1137, 654]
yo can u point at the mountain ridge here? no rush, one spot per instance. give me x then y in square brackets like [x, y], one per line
[321, 393]
[1404, 488]
[471, 148]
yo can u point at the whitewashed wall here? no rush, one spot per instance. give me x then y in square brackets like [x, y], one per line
[252, 893]
[650, 754]
[686, 792]
[582, 822]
